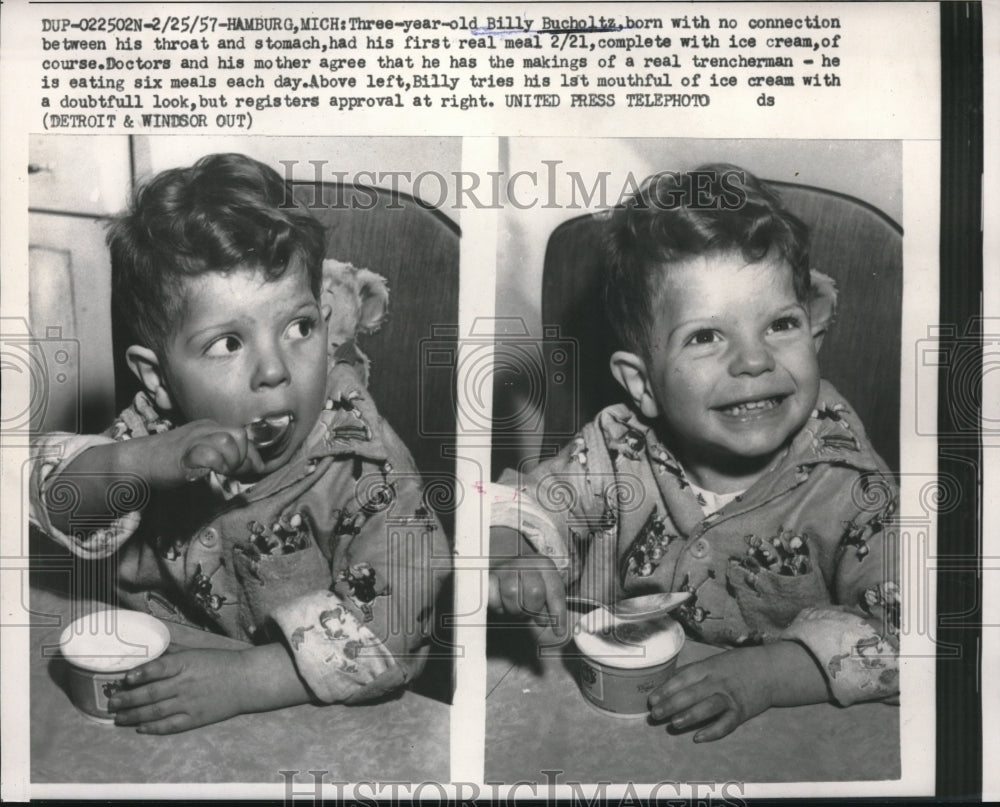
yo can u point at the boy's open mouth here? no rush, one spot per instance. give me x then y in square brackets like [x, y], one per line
[270, 432]
[756, 406]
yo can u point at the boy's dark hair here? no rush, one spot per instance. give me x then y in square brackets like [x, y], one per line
[676, 216]
[225, 211]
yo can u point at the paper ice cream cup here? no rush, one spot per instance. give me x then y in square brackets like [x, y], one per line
[621, 662]
[101, 648]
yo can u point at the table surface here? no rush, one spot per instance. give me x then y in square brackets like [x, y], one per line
[537, 720]
[406, 739]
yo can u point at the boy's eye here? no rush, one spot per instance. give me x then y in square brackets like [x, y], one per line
[302, 328]
[703, 337]
[785, 324]
[223, 346]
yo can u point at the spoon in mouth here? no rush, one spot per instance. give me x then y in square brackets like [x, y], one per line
[265, 432]
[633, 609]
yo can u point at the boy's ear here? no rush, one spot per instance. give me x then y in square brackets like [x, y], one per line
[822, 304]
[147, 368]
[373, 293]
[630, 371]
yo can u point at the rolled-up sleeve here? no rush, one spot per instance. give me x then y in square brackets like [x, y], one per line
[513, 506]
[859, 664]
[50, 492]
[558, 504]
[856, 641]
[336, 655]
[370, 633]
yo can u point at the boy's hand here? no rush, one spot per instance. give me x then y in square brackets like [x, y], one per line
[190, 451]
[181, 690]
[731, 687]
[524, 583]
[186, 688]
[163, 460]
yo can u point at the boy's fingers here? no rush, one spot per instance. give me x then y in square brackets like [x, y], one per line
[169, 725]
[242, 457]
[146, 714]
[532, 596]
[555, 601]
[166, 666]
[687, 676]
[514, 598]
[556, 631]
[663, 707]
[494, 600]
[200, 459]
[720, 728]
[703, 710]
[142, 696]
[225, 451]
[538, 594]
[232, 447]
[251, 464]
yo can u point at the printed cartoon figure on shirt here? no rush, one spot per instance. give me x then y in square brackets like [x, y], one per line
[758, 478]
[254, 431]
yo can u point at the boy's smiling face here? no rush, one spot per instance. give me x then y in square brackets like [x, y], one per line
[250, 350]
[733, 370]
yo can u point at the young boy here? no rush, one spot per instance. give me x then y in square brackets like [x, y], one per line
[736, 473]
[266, 498]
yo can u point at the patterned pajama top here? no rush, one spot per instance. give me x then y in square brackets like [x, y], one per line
[808, 553]
[335, 553]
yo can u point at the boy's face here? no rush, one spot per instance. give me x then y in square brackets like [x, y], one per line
[733, 364]
[249, 349]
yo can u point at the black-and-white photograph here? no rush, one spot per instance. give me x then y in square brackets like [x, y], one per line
[696, 570]
[242, 513]
[567, 402]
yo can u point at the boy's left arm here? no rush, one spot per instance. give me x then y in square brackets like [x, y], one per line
[845, 651]
[855, 641]
[359, 641]
[369, 634]
[190, 687]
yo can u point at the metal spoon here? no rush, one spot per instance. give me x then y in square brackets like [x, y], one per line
[264, 432]
[632, 609]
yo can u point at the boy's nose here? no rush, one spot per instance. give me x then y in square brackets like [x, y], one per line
[751, 357]
[271, 371]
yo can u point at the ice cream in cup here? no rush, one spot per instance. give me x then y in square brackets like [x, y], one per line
[621, 662]
[101, 648]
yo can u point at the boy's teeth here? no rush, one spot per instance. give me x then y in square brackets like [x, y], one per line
[750, 406]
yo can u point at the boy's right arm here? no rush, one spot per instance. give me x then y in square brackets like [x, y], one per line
[95, 472]
[532, 545]
[524, 583]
